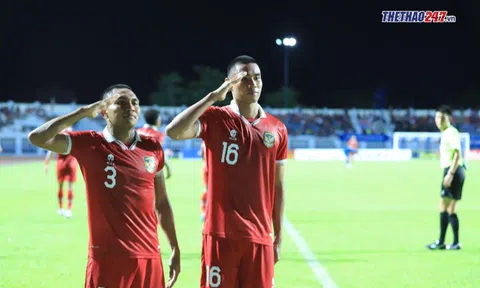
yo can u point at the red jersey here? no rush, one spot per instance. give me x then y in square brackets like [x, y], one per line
[120, 192]
[241, 159]
[152, 131]
[66, 161]
[353, 144]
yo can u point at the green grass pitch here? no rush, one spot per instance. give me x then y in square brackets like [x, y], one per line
[367, 226]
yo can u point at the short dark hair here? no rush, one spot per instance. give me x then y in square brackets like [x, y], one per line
[151, 116]
[445, 109]
[243, 59]
[106, 93]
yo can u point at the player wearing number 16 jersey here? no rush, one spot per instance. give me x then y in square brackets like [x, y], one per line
[246, 152]
[203, 201]
[125, 189]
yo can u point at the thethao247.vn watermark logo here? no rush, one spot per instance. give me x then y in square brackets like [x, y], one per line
[417, 17]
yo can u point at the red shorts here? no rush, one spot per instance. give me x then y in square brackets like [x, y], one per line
[124, 273]
[66, 173]
[228, 263]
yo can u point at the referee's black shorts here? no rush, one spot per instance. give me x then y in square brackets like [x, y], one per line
[455, 189]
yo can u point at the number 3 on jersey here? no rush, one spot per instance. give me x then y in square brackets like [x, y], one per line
[230, 153]
[111, 174]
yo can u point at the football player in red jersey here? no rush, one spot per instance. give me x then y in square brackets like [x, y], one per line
[66, 172]
[351, 150]
[203, 203]
[153, 122]
[246, 152]
[125, 192]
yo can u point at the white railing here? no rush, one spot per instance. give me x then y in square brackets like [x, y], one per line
[16, 143]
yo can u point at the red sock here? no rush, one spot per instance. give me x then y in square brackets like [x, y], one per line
[70, 198]
[60, 198]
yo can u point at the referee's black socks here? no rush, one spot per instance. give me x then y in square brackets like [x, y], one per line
[443, 226]
[455, 225]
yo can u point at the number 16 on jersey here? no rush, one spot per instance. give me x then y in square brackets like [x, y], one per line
[230, 153]
[214, 277]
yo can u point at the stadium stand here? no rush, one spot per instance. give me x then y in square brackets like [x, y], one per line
[308, 128]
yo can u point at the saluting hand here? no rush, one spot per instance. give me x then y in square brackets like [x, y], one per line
[94, 109]
[221, 92]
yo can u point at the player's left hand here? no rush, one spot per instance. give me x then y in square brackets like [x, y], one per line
[174, 265]
[46, 169]
[447, 181]
[276, 253]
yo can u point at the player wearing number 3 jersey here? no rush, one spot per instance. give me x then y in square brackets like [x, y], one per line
[125, 189]
[246, 152]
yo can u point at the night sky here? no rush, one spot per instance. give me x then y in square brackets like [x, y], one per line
[342, 49]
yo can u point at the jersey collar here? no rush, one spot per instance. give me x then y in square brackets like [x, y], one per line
[109, 137]
[150, 126]
[234, 107]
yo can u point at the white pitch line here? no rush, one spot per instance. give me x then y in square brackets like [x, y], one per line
[320, 272]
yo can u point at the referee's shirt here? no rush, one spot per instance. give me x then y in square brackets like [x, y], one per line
[450, 142]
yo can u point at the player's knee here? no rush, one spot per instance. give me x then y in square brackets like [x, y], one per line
[451, 207]
[444, 203]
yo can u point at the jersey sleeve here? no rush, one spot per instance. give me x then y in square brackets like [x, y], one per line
[205, 122]
[453, 141]
[78, 143]
[160, 157]
[282, 152]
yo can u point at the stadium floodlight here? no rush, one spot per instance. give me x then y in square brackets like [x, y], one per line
[289, 41]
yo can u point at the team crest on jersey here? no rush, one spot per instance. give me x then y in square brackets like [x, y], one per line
[150, 163]
[233, 135]
[110, 159]
[268, 139]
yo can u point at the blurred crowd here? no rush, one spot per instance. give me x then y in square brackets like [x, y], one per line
[10, 114]
[468, 121]
[321, 122]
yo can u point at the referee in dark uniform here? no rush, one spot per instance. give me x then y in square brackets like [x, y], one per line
[453, 167]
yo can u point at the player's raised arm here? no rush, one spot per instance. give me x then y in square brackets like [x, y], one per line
[48, 136]
[185, 125]
[165, 216]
